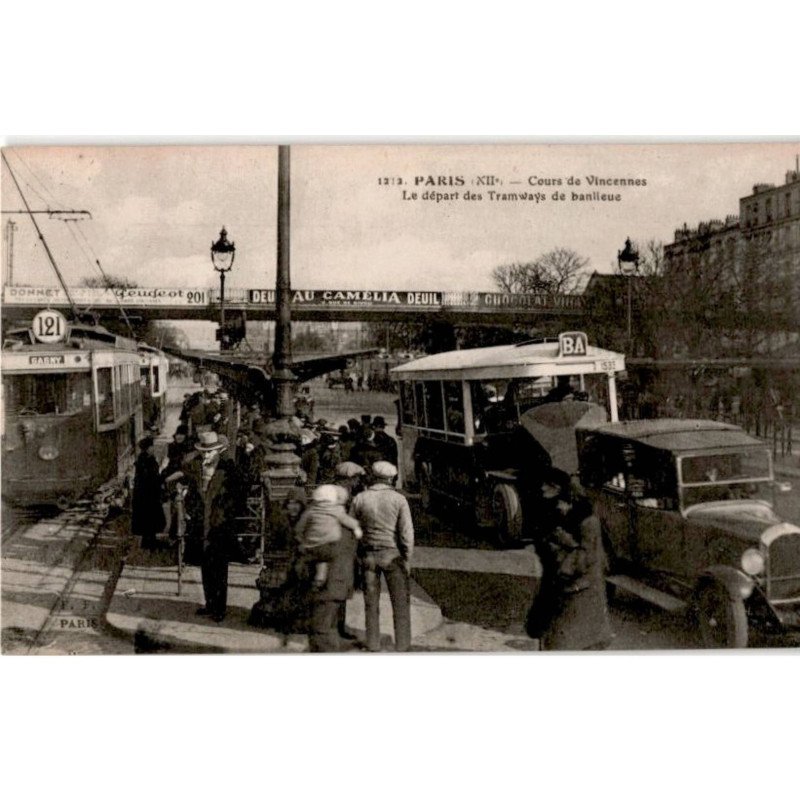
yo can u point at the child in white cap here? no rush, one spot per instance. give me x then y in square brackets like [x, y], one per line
[320, 528]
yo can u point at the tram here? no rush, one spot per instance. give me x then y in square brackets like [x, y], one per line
[476, 425]
[72, 409]
[153, 371]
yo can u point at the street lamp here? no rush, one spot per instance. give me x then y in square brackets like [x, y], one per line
[628, 263]
[222, 254]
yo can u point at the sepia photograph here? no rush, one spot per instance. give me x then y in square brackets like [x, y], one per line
[400, 398]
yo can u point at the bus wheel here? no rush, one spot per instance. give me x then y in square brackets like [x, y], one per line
[507, 513]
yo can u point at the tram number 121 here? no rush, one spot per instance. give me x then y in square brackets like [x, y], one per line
[49, 326]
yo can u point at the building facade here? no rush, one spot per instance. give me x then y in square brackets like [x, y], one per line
[742, 275]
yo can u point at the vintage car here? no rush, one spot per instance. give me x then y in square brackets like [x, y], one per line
[687, 513]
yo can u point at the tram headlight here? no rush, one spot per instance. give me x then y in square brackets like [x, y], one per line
[48, 452]
[752, 562]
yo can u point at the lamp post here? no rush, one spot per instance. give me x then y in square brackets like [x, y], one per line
[628, 263]
[222, 254]
[283, 376]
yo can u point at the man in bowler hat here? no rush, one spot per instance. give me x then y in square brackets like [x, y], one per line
[211, 508]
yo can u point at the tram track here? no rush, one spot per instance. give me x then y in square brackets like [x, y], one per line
[62, 579]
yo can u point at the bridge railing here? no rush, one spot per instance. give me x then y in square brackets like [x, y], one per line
[340, 299]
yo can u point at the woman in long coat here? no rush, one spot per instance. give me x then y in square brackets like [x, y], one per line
[147, 513]
[572, 608]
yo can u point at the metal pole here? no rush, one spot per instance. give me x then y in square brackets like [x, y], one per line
[222, 301]
[282, 357]
[10, 250]
[630, 327]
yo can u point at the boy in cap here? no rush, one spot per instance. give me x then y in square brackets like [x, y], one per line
[388, 544]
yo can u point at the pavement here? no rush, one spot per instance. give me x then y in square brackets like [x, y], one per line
[147, 609]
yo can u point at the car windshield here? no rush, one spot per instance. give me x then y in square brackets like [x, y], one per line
[741, 475]
[741, 465]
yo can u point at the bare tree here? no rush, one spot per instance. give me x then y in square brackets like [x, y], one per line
[109, 282]
[558, 271]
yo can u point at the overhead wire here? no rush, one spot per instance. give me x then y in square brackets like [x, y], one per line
[96, 263]
[60, 277]
[53, 199]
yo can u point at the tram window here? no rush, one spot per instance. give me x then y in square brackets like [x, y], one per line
[44, 394]
[105, 395]
[127, 400]
[407, 402]
[454, 406]
[434, 407]
[156, 381]
[144, 376]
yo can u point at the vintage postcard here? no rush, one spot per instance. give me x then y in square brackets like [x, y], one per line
[400, 398]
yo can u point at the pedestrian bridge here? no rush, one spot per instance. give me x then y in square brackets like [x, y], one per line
[192, 302]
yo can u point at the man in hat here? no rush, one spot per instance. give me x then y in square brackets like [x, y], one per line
[385, 443]
[147, 515]
[211, 508]
[366, 452]
[387, 544]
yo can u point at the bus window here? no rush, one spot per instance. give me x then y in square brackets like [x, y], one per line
[105, 396]
[487, 402]
[454, 406]
[407, 402]
[419, 399]
[434, 407]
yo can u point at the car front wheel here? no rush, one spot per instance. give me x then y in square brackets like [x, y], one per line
[722, 619]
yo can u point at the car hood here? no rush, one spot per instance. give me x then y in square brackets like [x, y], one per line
[747, 519]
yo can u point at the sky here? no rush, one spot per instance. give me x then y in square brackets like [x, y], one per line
[156, 210]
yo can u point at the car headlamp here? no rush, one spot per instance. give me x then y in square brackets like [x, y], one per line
[48, 452]
[752, 562]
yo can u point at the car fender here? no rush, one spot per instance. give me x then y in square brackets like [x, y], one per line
[738, 585]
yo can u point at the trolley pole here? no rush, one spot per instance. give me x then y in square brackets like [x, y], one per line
[283, 376]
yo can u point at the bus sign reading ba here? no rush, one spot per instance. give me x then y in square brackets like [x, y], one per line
[572, 343]
[49, 326]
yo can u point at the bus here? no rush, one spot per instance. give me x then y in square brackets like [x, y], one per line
[466, 422]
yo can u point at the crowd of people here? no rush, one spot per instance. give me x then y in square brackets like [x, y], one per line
[343, 523]
[200, 489]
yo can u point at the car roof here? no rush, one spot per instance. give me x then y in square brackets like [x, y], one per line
[680, 434]
[524, 360]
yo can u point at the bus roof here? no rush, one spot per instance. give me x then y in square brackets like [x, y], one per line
[524, 360]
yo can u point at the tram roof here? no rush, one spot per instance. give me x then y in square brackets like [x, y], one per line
[524, 360]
